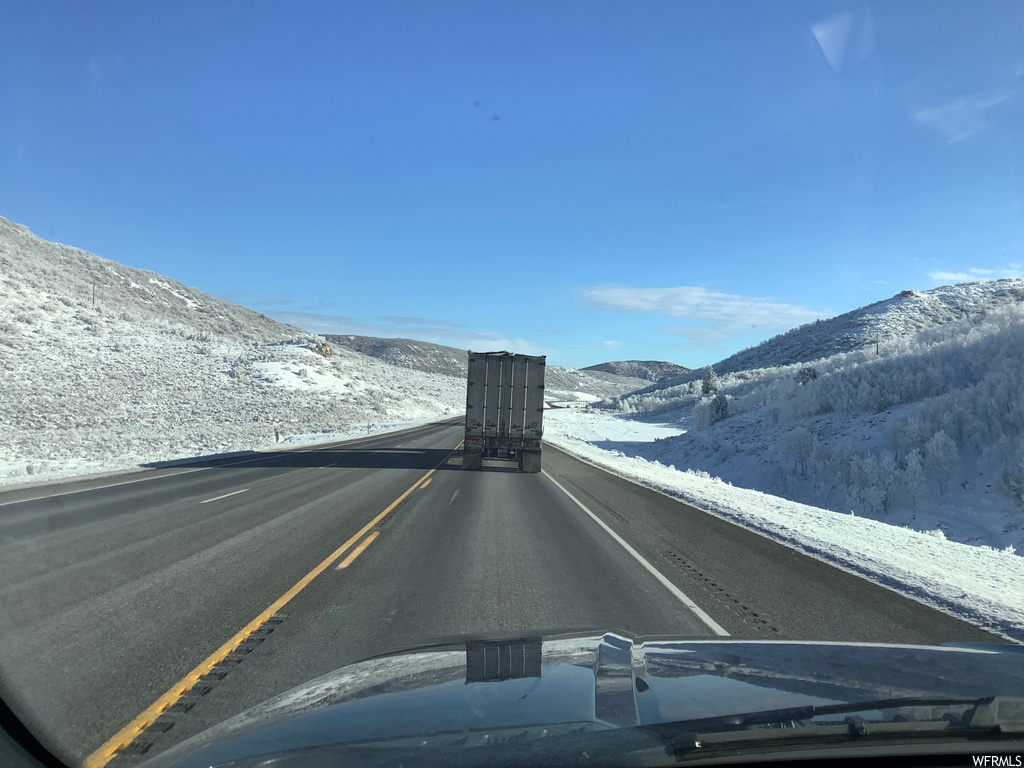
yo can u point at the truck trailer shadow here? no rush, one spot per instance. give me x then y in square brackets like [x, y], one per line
[342, 458]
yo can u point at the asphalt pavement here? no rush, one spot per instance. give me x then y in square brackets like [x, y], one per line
[136, 611]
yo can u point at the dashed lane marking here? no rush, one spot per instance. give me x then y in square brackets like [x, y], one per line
[218, 498]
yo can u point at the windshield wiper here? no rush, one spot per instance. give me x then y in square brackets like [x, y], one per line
[999, 716]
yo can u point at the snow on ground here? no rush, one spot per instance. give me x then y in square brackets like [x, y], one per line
[979, 584]
[167, 400]
[152, 370]
[927, 432]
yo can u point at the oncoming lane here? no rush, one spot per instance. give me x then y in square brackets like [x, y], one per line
[107, 605]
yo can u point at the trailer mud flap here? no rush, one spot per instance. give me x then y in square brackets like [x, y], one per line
[530, 461]
[472, 459]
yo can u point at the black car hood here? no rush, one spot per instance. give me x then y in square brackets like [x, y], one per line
[602, 681]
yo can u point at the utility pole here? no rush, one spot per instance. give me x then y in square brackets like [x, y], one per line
[876, 346]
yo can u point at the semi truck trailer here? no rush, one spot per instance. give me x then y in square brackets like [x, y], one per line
[504, 409]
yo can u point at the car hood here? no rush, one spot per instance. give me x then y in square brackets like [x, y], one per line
[596, 681]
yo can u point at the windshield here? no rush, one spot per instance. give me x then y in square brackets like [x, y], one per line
[332, 330]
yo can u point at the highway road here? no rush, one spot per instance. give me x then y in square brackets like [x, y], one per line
[138, 610]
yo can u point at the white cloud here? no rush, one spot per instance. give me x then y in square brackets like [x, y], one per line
[974, 274]
[613, 344]
[832, 35]
[961, 119]
[715, 316]
[451, 336]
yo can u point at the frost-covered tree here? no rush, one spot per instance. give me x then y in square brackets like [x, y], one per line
[941, 457]
[1013, 475]
[797, 445]
[702, 416]
[806, 375]
[913, 477]
[887, 474]
[719, 408]
[709, 385]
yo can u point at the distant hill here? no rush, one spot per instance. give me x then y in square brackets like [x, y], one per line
[563, 383]
[649, 370]
[407, 353]
[904, 315]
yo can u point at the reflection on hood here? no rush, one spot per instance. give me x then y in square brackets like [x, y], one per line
[604, 681]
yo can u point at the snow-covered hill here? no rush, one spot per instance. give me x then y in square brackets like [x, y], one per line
[407, 353]
[903, 315]
[562, 384]
[927, 432]
[650, 370]
[154, 370]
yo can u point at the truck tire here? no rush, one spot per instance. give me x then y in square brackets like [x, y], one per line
[530, 462]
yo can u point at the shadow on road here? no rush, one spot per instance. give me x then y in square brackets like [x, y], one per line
[357, 458]
[345, 458]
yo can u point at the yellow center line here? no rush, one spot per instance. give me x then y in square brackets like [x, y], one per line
[148, 716]
[358, 551]
[425, 483]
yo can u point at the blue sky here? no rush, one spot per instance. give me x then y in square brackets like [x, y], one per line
[591, 180]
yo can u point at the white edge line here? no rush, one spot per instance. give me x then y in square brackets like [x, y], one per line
[679, 594]
[218, 498]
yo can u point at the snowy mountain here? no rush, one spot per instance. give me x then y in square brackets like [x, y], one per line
[927, 432]
[562, 383]
[650, 370]
[903, 315]
[566, 384]
[151, 369]
[407, 353]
